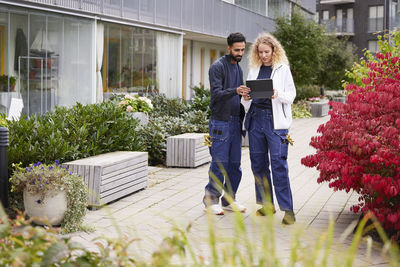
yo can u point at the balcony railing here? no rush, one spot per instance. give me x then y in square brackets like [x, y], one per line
[212, 17]
[335, 2]
[340, 27]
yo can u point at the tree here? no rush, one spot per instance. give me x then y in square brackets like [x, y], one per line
[315, 57]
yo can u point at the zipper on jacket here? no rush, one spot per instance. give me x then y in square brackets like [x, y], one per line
[274, 70]
[283, 109]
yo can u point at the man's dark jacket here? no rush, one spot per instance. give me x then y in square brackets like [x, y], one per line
[221, 89]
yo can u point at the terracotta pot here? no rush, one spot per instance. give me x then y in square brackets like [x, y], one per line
[38, 63]
[50, 208]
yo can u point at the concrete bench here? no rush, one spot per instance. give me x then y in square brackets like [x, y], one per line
[187, 150]
[111, 175]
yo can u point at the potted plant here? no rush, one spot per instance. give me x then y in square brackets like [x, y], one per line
[319, 106]
[52, 194]
[138, 106]
[5, 80]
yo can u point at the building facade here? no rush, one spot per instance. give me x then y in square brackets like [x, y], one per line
[60, 52]
[359, 20]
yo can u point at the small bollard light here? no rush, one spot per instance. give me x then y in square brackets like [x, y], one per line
[4, 166]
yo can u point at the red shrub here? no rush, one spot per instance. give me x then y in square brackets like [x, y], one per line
[359, 147]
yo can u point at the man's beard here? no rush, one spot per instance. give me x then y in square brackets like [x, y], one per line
[237, 58]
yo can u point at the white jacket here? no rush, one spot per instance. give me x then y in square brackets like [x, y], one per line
[281, 106]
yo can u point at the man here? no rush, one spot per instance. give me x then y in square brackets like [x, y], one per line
[226, 82]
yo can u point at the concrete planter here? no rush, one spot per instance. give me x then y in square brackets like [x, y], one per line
[319, 109]
[51, 208]
[341, 99]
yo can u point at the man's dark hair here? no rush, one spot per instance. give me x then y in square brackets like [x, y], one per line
[235, 37]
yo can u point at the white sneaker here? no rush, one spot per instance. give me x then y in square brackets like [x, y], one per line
[235, 206]
[215, 209]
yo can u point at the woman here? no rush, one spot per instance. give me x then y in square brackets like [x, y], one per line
[267, 123]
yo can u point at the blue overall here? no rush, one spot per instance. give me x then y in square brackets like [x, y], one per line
[263, 139]
[226, 151]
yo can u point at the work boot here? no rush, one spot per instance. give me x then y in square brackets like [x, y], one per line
[289, 217]
[264, 210]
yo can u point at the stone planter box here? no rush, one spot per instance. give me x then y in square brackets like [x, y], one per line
[341, 99]
[187, 150]
[111, 176]
[319, 109]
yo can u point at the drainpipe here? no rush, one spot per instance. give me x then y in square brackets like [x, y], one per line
[4, 166]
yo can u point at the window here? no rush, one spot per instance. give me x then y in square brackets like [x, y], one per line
[325, 15]
[375, 18]
[129, 63]
[339, 20]
[373, 46]
[350, 21]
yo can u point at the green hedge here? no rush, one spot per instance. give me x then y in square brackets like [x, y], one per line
[72, 133]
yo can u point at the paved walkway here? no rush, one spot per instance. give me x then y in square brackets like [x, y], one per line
[174, 197]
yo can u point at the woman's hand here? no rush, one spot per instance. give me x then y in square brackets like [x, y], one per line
[246, 97]
[275, 94]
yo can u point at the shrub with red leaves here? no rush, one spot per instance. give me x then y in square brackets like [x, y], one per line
[359, 147]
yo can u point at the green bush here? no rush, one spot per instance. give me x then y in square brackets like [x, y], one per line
[300, 110]
[314, 56]
[306, 92]
[154, 135]
[72, 133]
[201, 100]
[164, 106]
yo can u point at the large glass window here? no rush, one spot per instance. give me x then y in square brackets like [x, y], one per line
[129, 63]
[375, 18]
[47, 58]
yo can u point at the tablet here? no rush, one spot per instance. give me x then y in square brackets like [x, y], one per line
[261, 88]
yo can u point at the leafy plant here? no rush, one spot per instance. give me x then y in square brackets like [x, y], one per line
[387, 43]
[164, 106]
[3, 120]
[6, 80]
[72, 133]
[300, 110]
[136, 104]
[359, 148]
[201, 100]
[24, 245]
[154, 135]
[40, 178]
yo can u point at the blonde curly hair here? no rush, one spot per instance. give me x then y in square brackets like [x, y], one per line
[278, 53]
